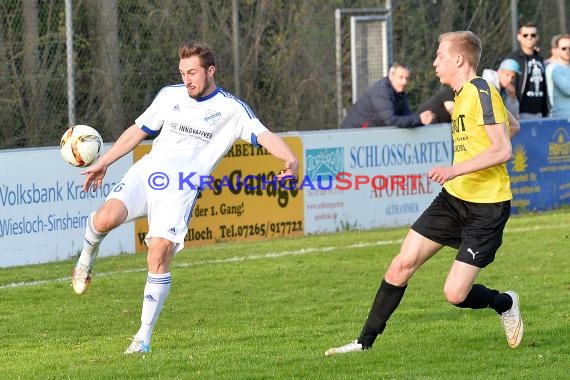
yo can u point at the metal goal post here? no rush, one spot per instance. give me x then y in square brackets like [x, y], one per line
[363, 52]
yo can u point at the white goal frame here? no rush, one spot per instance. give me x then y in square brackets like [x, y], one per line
[369, 45]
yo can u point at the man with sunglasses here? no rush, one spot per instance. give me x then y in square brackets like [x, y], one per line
[561, 79]
[531, 83]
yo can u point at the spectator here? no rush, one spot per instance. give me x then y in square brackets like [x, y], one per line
[553, 51]
[503, 80]
[386, 104]
[440, 103]
[531, 84]
[550, 63]
[443, 101]
[561, 79]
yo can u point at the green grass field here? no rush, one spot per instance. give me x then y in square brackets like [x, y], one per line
[270, 310]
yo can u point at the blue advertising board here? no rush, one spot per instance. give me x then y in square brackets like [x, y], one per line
[540, 168]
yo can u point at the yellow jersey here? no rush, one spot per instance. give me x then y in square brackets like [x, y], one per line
[477, 104]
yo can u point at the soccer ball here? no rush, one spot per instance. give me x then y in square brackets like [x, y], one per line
[81, 145]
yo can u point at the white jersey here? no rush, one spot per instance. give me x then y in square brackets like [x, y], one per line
[194, 136]
[197, 132]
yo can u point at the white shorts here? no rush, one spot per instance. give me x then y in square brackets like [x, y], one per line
[168, 210]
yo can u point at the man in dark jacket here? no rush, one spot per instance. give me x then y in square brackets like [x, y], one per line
[531, 83]
[441, 104]
[386, 104]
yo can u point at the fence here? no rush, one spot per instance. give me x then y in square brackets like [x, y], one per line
[125, 51]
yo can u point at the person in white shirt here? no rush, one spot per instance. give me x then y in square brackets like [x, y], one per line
[550, 65]
[198, 123]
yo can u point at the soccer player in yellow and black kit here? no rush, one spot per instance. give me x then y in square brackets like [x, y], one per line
[471, 210]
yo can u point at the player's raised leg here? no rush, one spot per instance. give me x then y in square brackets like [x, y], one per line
[461, 292]
[109, 216]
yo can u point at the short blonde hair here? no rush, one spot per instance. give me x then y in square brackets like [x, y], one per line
[466, 43]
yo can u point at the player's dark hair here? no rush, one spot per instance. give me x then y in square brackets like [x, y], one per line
[189, 49]
[530, 24]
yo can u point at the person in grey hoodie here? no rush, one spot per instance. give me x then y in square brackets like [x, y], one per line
[503, 80]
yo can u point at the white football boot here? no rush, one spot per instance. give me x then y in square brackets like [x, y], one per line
[81, 278]
[137, 347]
[353, 346]
[512, 322]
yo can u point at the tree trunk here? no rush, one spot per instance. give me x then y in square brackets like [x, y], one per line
[561, 15]
[7, 114]
[31, 93]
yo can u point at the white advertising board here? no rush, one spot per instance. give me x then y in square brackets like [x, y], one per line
[43, 210]
[375, 177]
[353, 179]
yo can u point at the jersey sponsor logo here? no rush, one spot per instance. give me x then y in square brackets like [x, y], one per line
[183, 129]
[458, 124]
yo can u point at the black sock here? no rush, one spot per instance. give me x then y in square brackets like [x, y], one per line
[385, 303]
[481, 297]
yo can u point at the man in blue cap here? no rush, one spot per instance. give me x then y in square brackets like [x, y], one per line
[503, 79]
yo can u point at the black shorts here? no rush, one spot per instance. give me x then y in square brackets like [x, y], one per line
[476, 229]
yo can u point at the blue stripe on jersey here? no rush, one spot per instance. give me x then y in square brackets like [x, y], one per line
[209, 96]
[241, 102]
[149, 131]
[155, 280]
[254, 141]
[484, 91]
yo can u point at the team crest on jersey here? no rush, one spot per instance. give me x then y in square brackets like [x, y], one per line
[212, 118]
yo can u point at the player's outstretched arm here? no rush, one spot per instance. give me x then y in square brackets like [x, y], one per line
[279, 149]
[124, 144]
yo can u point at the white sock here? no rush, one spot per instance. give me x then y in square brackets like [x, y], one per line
[91, 241]
[155, 292]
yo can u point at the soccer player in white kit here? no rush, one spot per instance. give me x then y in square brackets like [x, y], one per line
[198, 123]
